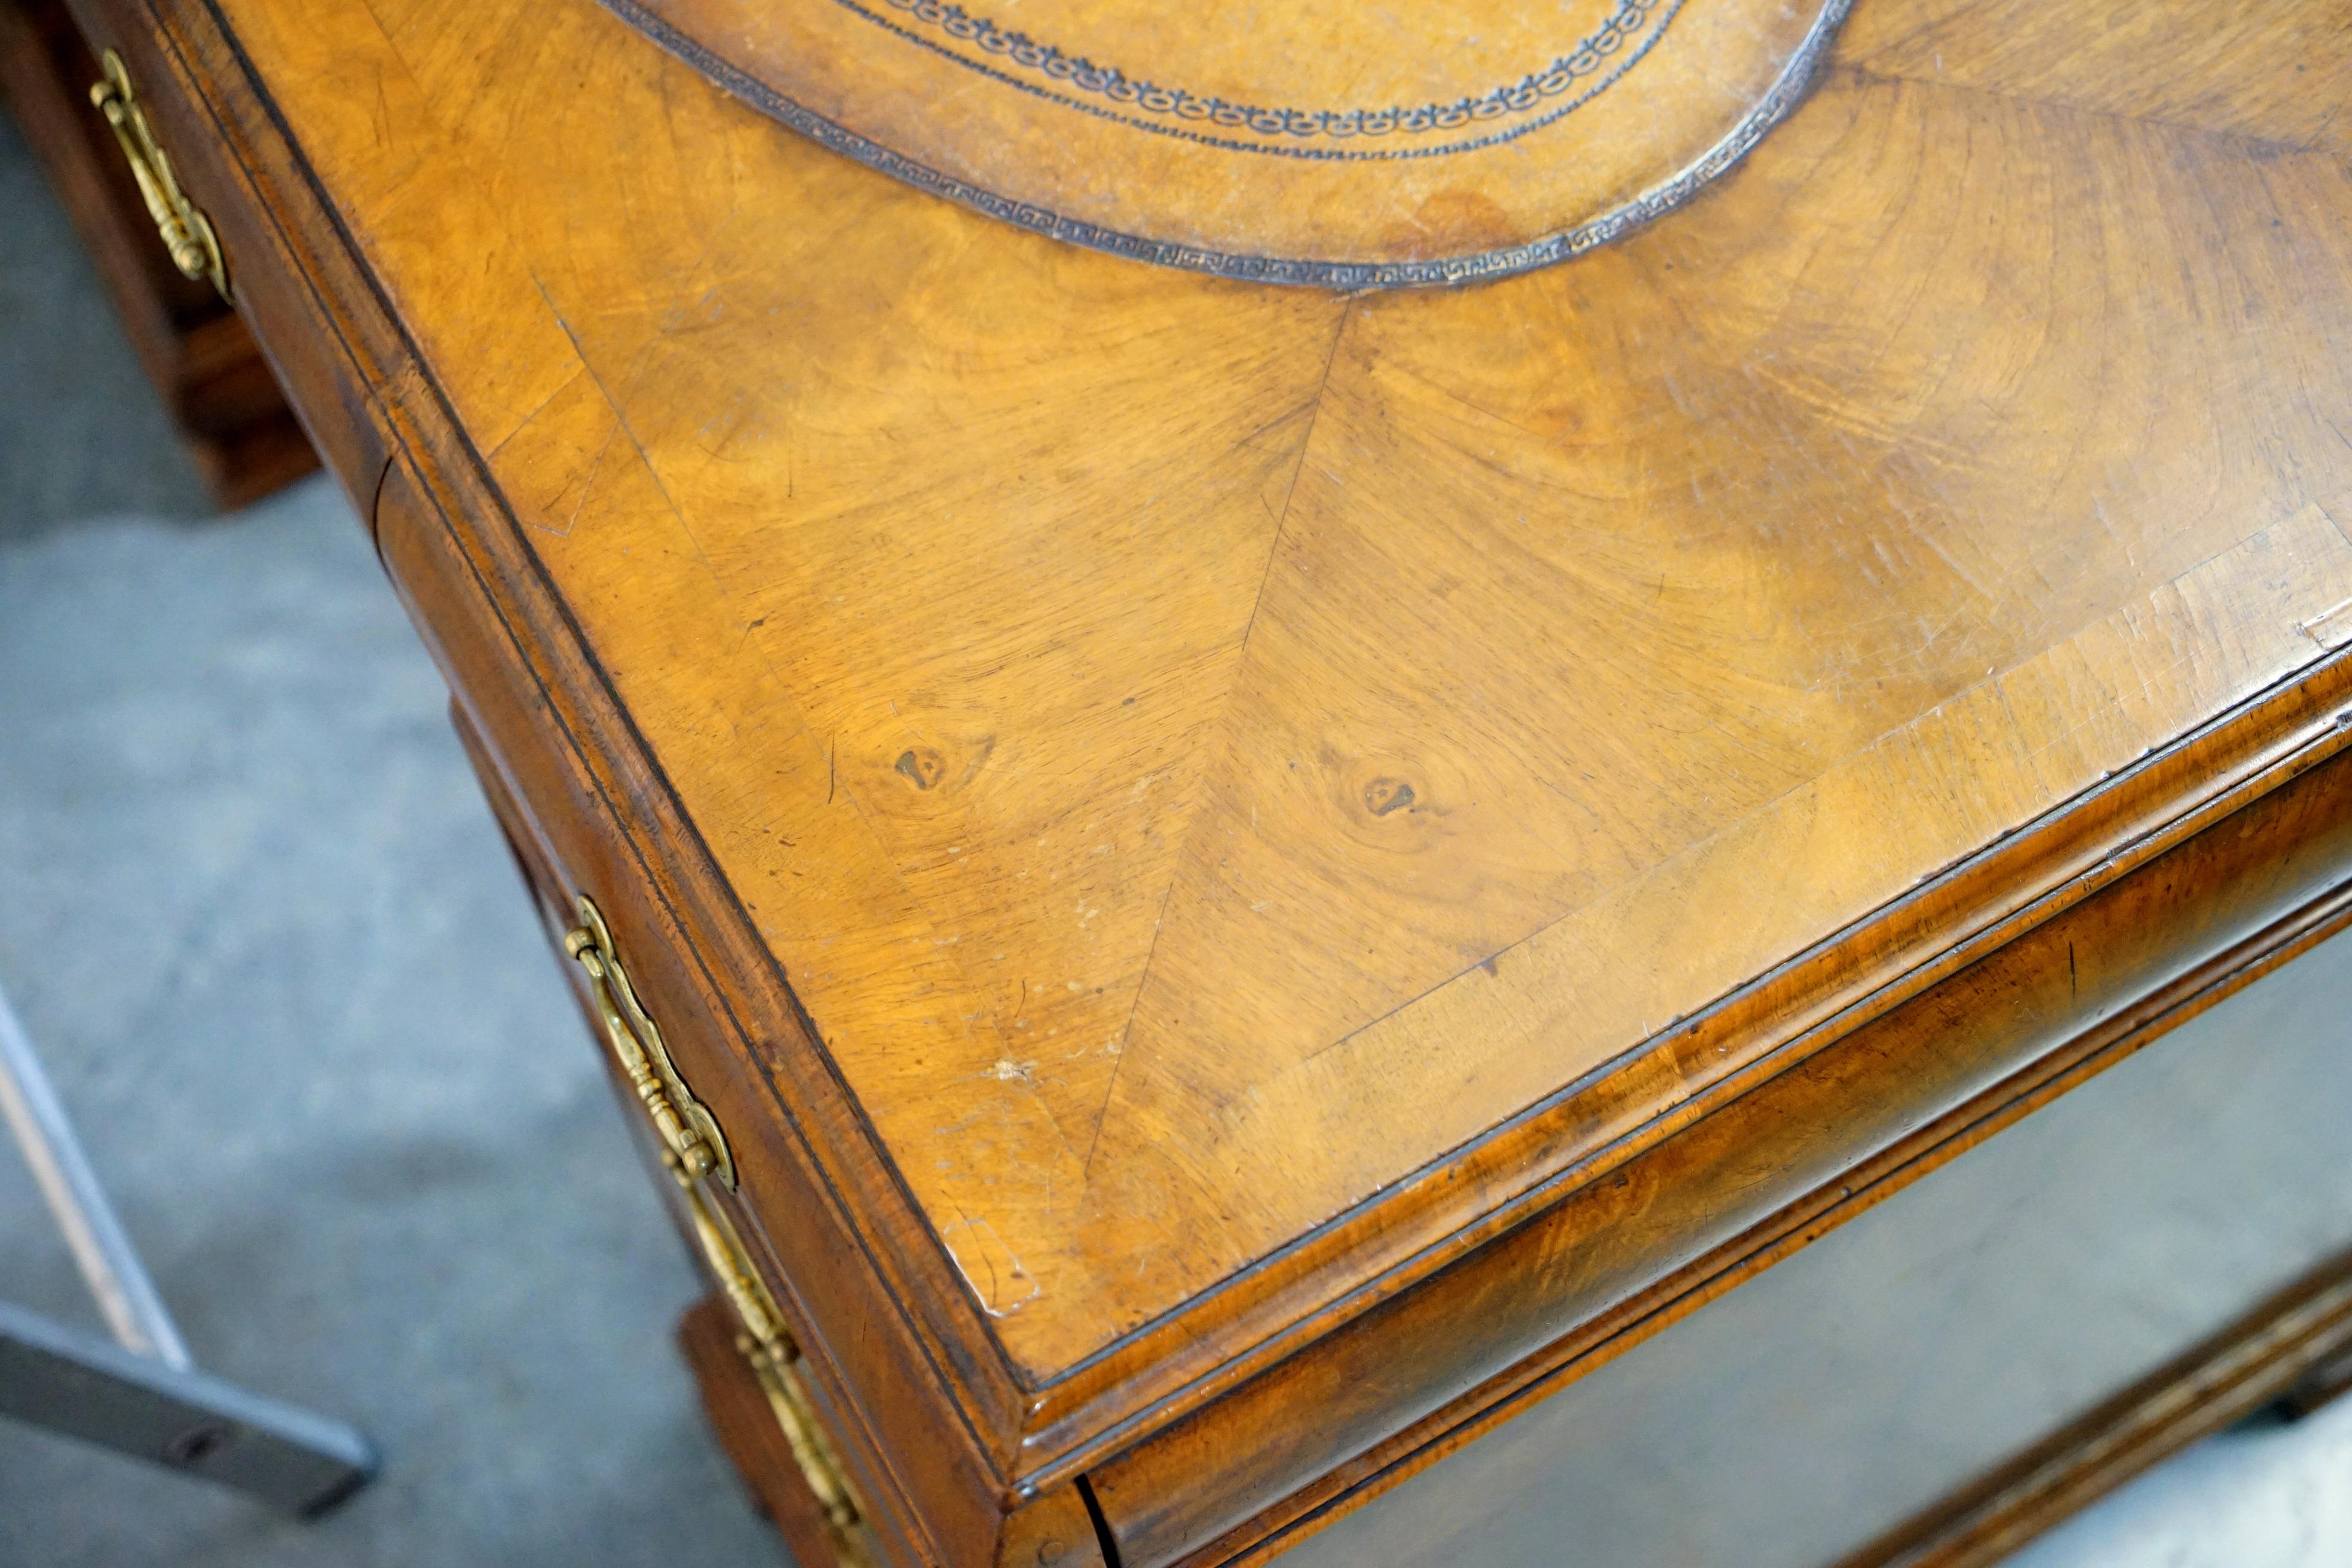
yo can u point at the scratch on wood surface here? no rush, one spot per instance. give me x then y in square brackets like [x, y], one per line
[589, 483]
[989, 1267]
[2330, 628]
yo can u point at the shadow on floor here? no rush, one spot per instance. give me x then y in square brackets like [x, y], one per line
[265, 934]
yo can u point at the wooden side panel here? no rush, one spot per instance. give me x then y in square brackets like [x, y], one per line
[1741, 1188]
[748, 1431]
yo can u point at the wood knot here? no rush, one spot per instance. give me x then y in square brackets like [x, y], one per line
[1384, 795]
[923, 766]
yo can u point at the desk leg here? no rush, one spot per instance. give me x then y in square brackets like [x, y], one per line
[2286, 1358]
[2322, 1384]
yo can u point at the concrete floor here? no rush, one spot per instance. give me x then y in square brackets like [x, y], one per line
[257, 920]
[264, 932]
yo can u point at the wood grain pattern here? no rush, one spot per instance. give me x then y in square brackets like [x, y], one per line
[1173, 813]
[1748, 1181]
[893, 606]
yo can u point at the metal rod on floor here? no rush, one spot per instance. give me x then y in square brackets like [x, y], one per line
[80, 1386]
[100, 1248]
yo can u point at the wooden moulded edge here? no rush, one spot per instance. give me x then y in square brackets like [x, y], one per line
[1971, 1057]
[1452, 1205]
[396, 430]
[1034, 1438]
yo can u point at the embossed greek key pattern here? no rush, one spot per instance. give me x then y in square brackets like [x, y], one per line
[1590, 54]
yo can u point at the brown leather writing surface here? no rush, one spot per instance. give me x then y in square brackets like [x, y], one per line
[1335, 144]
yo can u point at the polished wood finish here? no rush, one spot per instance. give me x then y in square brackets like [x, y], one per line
[1256, 875]
[1137, 941]
[203, 361]
[739, 1413]
[1744, 1187]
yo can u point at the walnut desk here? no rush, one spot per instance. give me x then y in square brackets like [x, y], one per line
[1230, 904]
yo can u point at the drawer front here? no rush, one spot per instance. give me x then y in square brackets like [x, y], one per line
[745, 1421]
[1887, 1367]
[684, 1142]
[757, 1385]
[1282, 1457]
[922, 1489]
[328, 371]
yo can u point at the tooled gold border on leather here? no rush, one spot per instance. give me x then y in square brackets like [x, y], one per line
[1795, 79]
[1590, 54]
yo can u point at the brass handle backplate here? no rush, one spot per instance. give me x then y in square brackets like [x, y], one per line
[763, 1342]
[187, 233]
[688, 1129]
[695, 1153]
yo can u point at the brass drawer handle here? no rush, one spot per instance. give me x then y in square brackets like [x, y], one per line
[763, 1341]
[687, 1129]
[187, 233]
[694, 1150]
